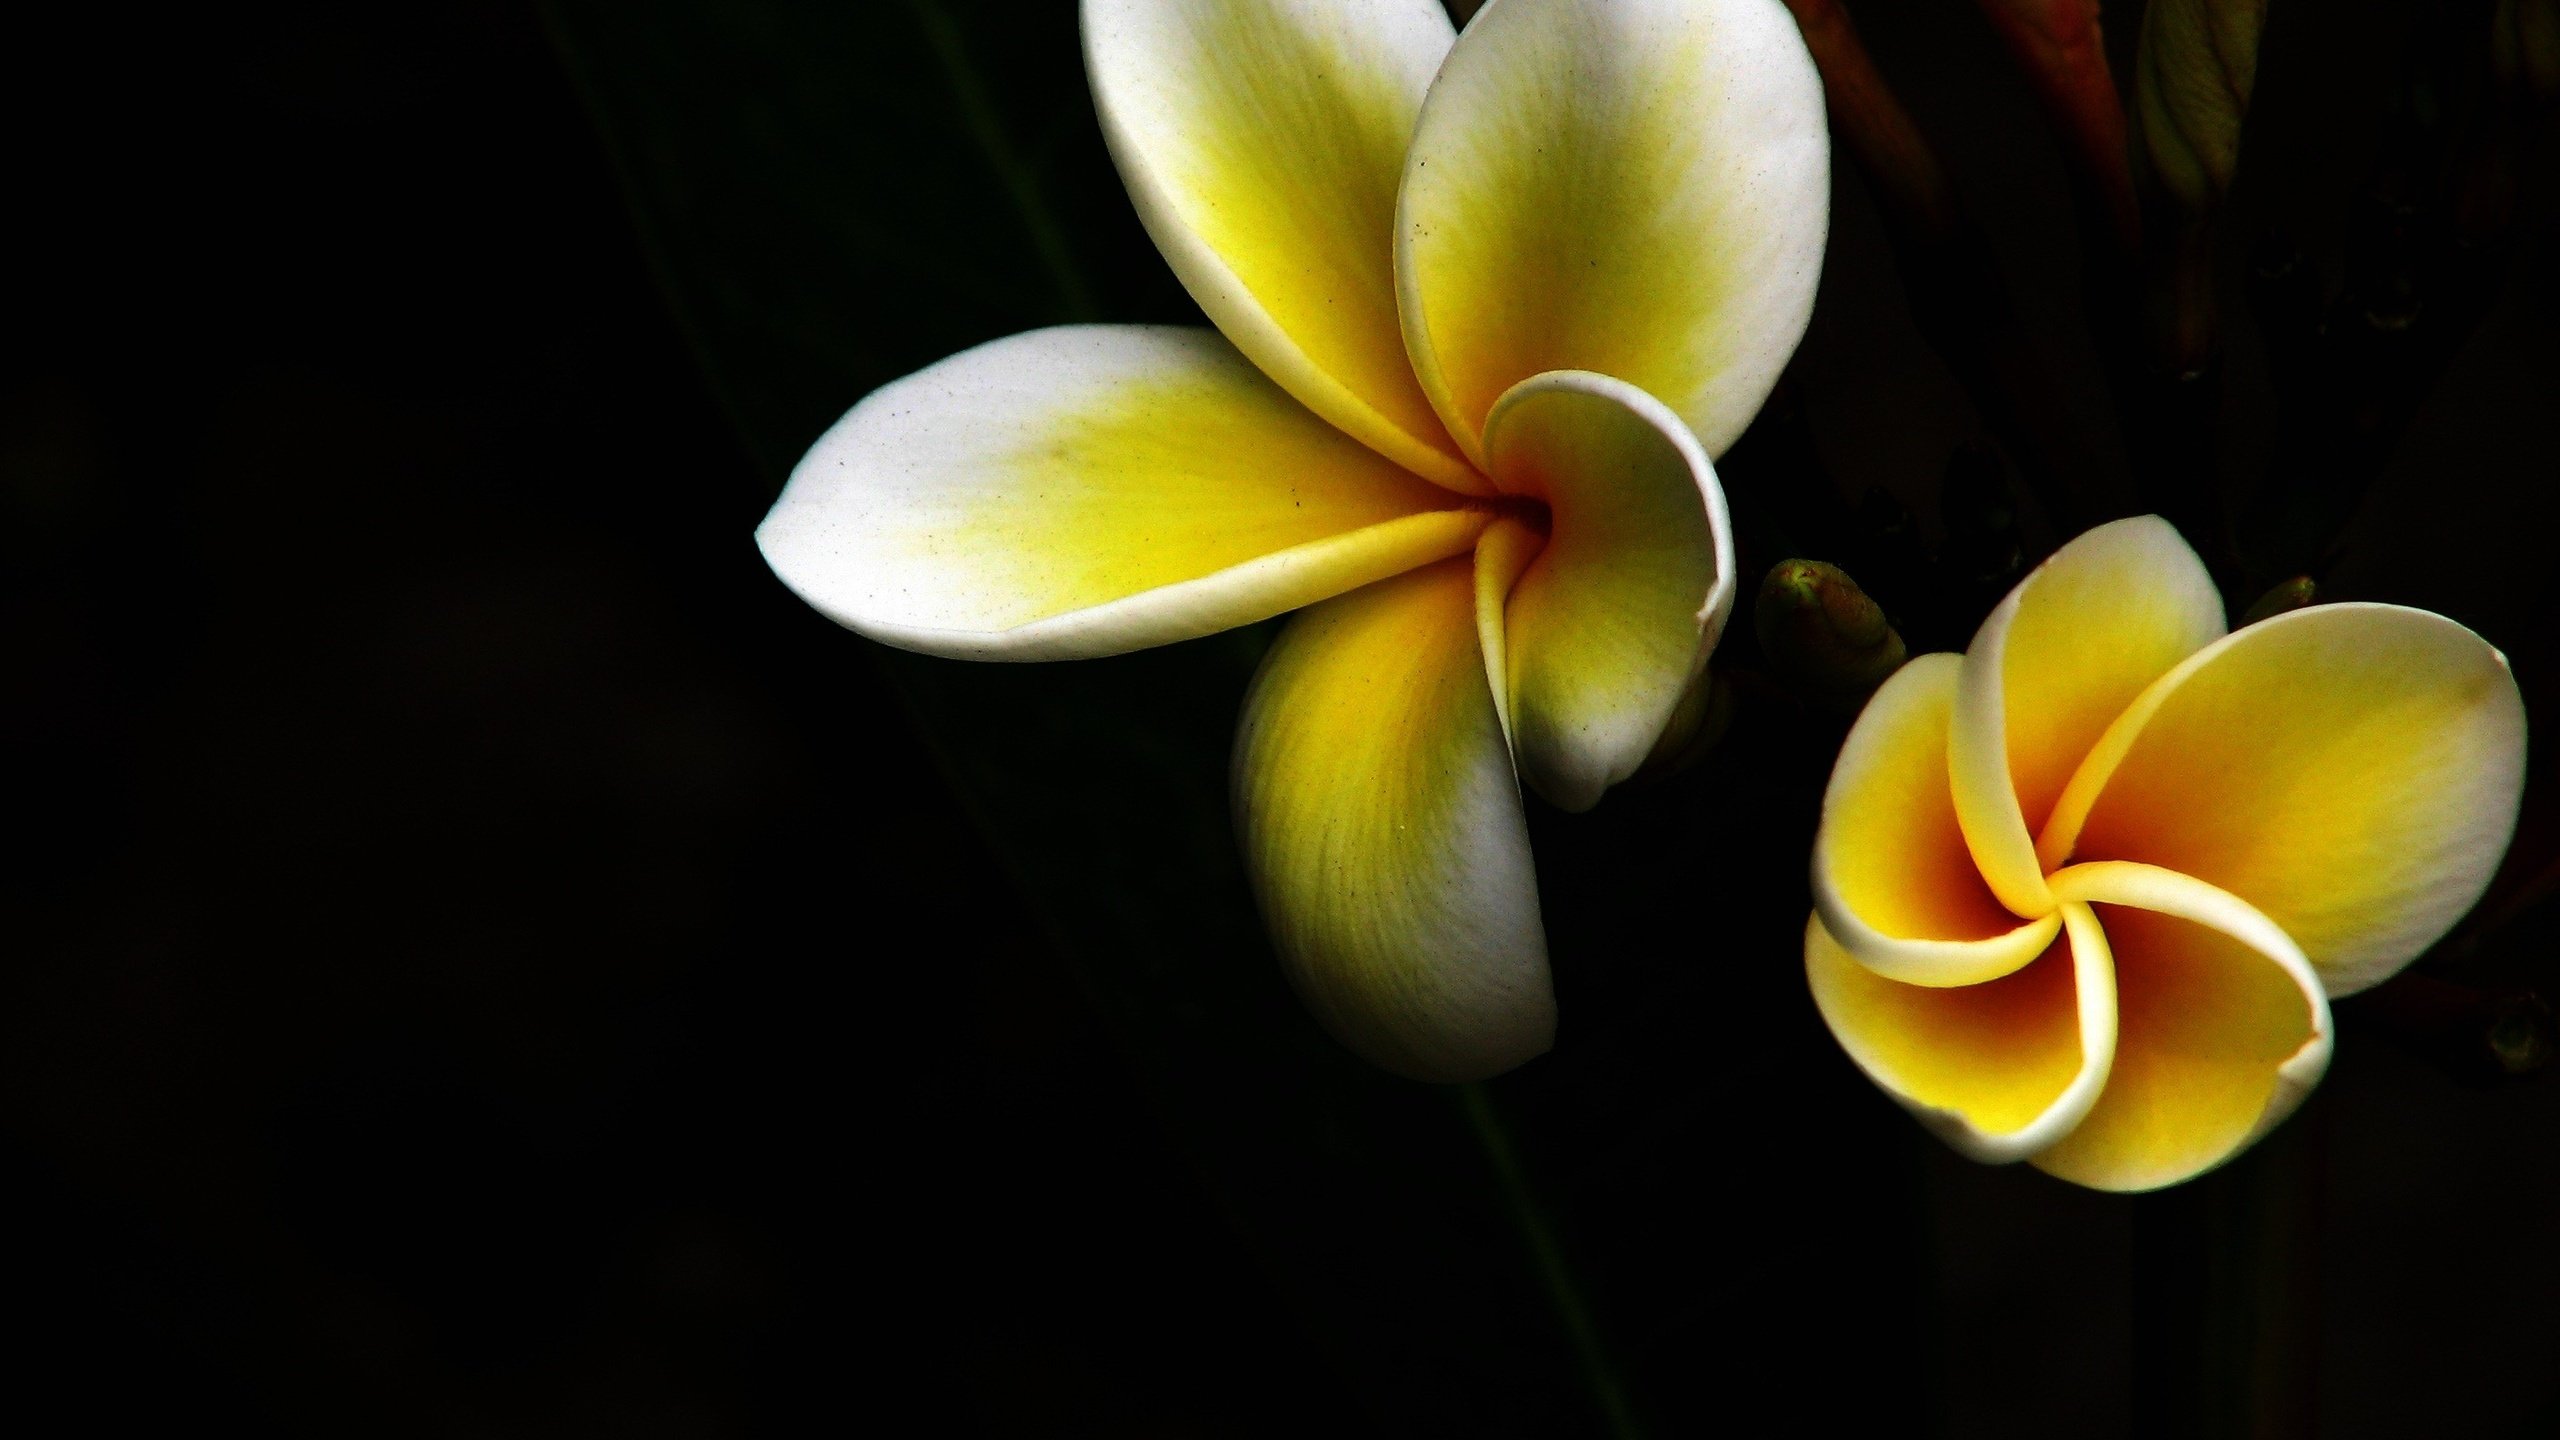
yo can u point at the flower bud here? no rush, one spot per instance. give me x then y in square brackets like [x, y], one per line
[2284, 595]
[2191, 81]
[2481, 1036]
[1823, 636]
[2519, 1034]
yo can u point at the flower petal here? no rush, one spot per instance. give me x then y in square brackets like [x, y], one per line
[2057, 661]
[1635, 187]
[1999, 1070]
[1263, 141]
[1089, 490]
[2351, 770]
[1892, 879]
[2222, 1029]
[1613, 619]
[1383, 831]
[1505, 551]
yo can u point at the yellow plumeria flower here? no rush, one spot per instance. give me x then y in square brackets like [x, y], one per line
[2083, 893]
[1484, 308]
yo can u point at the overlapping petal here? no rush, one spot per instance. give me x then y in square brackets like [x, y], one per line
[1614, 258]
[2000, 1070]
[1612, 620]
[1383, 831]
[1639, 188]
[1089, 490]
[2052, 667]
[1892, 879]
[1507, 549]
[2222, 1029]
[2248, 824]
[1263, 142]
[2351, 770]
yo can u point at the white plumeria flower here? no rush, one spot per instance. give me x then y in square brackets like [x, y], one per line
[2083, 893]
[1484, 310]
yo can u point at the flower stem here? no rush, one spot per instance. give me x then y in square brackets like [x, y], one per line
[1597, 1373]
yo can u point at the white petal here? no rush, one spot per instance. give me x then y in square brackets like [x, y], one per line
[1383, 832]
[1262, 141]
[1638, 188]
[1089, 490]
[1614, 617]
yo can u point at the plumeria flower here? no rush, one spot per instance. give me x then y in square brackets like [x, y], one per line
[2083, 893]
[1485, 306]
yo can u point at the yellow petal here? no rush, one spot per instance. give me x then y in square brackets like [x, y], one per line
[1263, 141]
[1384, 836]
[1999, 1070]
[2221, 1030]
[1892, 879]
[1639, 188]
[1613, 619]
[1089, 490]
[1505, 550]
[2054, 664]
[2351, 770]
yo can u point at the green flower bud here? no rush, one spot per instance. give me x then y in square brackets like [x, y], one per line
[2191, 82]
[1823, 636]
[2284, 595]
[2519, 1035]
[2482, 1036]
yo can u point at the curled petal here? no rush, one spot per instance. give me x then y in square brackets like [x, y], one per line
[1639, 188]
[2351, 770]
[2054, 664]
[2222, 1029]
[1263, 141]
[2000, 1070]
[1505, 552]
[1613, 618]
[1090, 490]
[1892, 879]
[1383, 832]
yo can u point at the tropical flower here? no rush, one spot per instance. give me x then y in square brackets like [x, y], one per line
[1484, 309]
[2083, 893]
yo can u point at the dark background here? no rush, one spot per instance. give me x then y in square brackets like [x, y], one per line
[483, 959]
